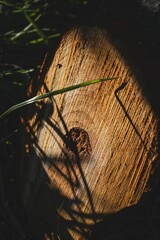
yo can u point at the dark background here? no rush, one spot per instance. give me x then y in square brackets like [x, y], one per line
[137, 25]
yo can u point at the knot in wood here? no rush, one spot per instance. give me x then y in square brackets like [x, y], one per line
[77, 145]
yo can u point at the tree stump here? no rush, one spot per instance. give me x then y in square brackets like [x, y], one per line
[88, 152]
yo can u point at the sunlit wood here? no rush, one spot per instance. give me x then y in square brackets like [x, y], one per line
[88, 152]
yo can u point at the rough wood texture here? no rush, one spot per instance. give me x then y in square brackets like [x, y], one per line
[89, 152]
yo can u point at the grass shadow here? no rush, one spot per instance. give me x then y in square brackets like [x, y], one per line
[48, 208]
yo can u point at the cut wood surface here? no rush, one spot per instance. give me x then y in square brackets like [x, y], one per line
[88, 152]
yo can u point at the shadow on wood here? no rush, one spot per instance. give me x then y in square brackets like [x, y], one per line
[140, 221]
[134, 31]
[89, 152]
[45, 203]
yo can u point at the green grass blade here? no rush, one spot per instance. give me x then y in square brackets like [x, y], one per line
[25, 30]
[53, 93]
[7, 3]
[39, 31]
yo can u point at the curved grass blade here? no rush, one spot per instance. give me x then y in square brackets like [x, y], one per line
[53, 93]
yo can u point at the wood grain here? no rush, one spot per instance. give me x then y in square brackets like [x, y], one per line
[88, 152]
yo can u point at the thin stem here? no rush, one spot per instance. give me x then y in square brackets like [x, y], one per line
[25, 30]
[53, 93]
[39, 31]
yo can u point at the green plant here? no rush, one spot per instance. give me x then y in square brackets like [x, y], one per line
[51, 94]
[28, 14]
